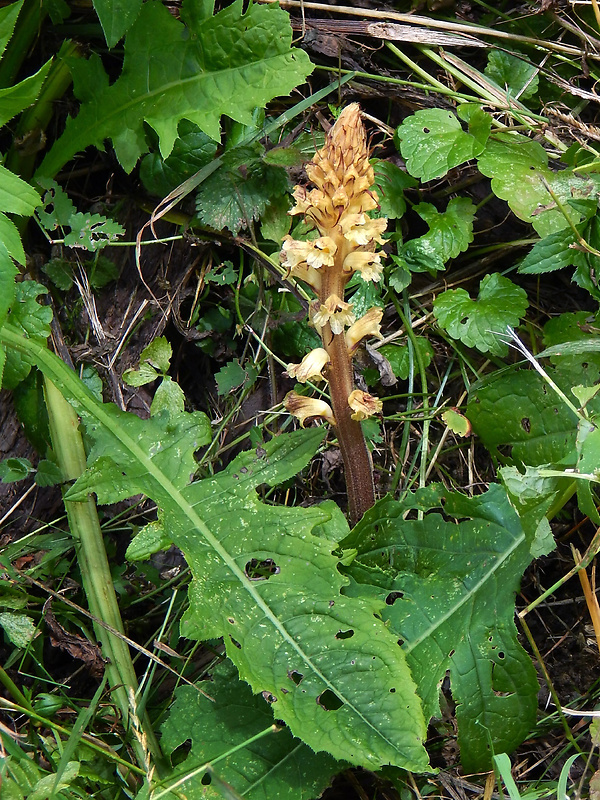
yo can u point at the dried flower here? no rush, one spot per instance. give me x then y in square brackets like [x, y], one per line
[367, 325]
[306, 407]
[311, 367]
[335, 312]
[363, 404]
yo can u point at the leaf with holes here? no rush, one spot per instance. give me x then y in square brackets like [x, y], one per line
[478, 323]
[262, 579]
[520, 175]
[432, 142]
[229, 63]
[449, 585]
[222, 730]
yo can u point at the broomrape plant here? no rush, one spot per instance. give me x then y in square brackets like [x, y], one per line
[338, 209]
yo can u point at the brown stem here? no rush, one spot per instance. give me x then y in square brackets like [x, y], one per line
[358, 467]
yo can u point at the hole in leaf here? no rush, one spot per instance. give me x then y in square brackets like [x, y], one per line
[235, 643]
[329, 701]
[501, 654]
[451, 653]
[261, 570]
[400, 642]
[392, 690]
[295, 676]
[345, 634]
[464, 320]
[206, 779]
[526, 424]
[426, 130]
[392, 597]
[231, 620]
[270, 698]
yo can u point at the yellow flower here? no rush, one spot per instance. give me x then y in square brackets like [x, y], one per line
[311, 367]
[305, 407]
[368, 325]
[323, 253]
[368, 264]
[294, 252]
[362, 230]
[363, 404]
[335, 312]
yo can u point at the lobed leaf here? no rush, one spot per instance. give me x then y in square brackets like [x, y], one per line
[228, 63]
[432, 142]
[449, 584]
[116, 17]
[478, 323]
[221, 730]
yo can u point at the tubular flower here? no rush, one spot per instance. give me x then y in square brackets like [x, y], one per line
[368, 264]
[368, 325]
[305, 407]
[363, 404]
[335, 312]
[323, 253]
[362, 230]
[311, 367]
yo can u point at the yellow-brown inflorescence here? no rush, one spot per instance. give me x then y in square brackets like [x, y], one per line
[338, 208]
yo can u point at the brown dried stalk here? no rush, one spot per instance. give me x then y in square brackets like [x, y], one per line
[338, 208]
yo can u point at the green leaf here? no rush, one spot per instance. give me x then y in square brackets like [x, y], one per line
[239, 191]
[551, 253]
[366, 295]
[230, 64]
[275, 766]
[33, 320]
[14, 469]
[477, 323]
[399, 356]
[60, 272]
[450, 231]
[168, 397]
[275, 223]
[8, 20]
[233, 375]
[449, 586]
[116, 17]
[92, 231]
[519, 418]
[14, 99]
[149, 540]
[480, 122]
[262, 580]
[432, 142]
[519, 170]
[457, 422]
[19, 628]
[158, 353]
[193, 149]
[511, 72]
[16, 196]
[390, 184]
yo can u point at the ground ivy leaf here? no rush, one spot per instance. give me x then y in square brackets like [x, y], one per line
[399, 356]
[390, 184]
[518, 168]
[440, 577]
[230, 63]
[239, 191]
[275, 766]
[30, 318]
[512, 73]
[450, 231]
[432, 142]
[477, 323]
[479, 121]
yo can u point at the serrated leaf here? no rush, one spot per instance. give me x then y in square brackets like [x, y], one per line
[48, 473]
[8, 20]
[60, 272]
[92, 231]
[450, 231]
[57, 208]
[399, 356]
[432, 142]
[262, 580]
[449, 588]
[233, 375]
[551, 253]
[168, 397]
[477, 323]
[16, 196]
[193, 149]
[239, 191]
[230, 64]
[116, 17]
[14, 99]
[513, 73]
[274, 767]
[149, 540]
[390, 184]
[19, 628]
[14, 469]
[519, 169]
[30, 318]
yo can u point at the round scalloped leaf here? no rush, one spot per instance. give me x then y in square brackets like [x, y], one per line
[478, 323]
[432, 142]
